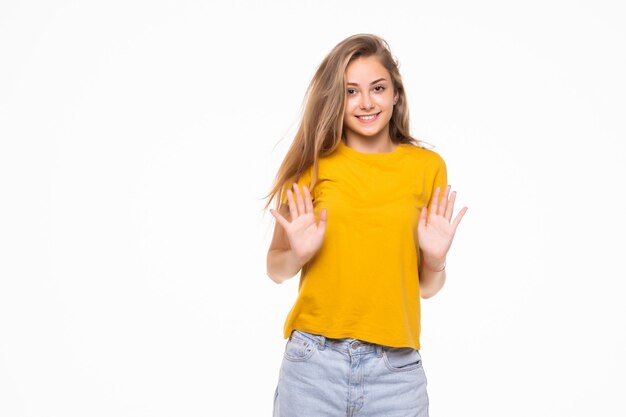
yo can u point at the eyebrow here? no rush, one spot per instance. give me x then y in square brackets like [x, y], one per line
[373, 82]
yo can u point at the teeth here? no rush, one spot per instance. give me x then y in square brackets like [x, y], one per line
[366, 117]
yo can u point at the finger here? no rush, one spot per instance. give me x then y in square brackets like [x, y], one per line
[308, 204]
[299, 200]
[434, 203]
[441, 209]
[450, 207]
[458, 218]
[293, 211]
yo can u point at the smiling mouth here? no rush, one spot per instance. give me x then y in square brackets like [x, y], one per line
[368, 117]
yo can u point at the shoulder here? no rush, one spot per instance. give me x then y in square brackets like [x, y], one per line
[425, 156]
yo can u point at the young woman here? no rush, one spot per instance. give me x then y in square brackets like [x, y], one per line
[380, 243]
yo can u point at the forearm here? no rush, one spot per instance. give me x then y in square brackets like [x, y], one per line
[282, 265]
[431, 281]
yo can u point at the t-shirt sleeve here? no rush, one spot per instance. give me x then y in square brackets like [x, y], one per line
[305, 178]
[441, 178]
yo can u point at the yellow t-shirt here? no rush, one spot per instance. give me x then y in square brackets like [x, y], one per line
[363, 282]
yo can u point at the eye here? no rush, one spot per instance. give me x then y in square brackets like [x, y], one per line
[379, 88]
[350, 91]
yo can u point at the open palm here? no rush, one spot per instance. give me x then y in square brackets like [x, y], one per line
[304, 233]
[434, 230]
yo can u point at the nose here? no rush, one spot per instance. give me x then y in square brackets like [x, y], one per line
[366, 103]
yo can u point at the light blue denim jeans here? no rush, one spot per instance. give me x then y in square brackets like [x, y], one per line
[324, 377]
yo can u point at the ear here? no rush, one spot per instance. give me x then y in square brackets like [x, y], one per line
[395, 98]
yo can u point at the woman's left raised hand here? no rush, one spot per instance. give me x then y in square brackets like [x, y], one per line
[434, 230]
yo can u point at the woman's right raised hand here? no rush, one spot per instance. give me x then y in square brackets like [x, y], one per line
[304, 234]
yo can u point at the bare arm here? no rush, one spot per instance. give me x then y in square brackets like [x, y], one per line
[282, 263]
[435, 237]
[431, 281]
[297, 236]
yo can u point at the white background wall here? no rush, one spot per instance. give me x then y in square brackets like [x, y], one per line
[138, 139]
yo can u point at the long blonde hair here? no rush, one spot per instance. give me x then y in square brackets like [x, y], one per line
[321, 126]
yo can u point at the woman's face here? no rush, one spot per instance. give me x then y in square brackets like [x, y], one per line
[369, 100]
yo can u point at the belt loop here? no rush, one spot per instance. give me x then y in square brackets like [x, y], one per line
[379, 351]
[322, 343]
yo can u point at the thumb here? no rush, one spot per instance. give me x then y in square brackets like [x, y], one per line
[279, 218]
[321, 227]
[422, 219]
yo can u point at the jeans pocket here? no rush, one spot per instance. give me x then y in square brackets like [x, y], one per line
[299, 348]
[402, 359]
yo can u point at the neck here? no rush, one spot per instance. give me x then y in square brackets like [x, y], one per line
[370, 144]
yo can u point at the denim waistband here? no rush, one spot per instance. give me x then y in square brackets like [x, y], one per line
[348, 344]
